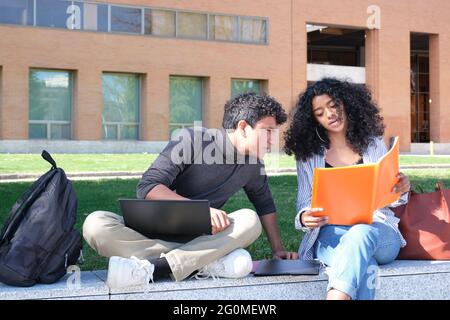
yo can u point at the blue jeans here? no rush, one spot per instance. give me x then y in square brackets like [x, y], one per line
[353, 254]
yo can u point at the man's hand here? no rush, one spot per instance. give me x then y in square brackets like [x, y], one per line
[287, 255]
[310, 221]
[219, 220]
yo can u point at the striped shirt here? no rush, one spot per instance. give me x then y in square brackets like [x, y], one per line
[305, 170]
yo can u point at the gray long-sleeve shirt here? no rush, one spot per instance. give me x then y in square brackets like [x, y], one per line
[204, 164]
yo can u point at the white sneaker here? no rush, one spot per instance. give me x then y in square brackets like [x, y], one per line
[123, 272]
[236, 264]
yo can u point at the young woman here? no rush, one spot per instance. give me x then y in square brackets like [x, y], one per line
[335, 124]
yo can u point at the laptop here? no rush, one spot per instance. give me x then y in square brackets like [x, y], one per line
[275, 267]
[170, 220]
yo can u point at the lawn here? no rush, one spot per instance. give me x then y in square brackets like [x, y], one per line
[103, 195]
[33, 163]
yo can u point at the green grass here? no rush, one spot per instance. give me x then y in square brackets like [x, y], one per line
[408, 160]
[103, 195]
[33, 163]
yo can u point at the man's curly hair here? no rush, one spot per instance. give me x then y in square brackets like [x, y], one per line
[252, 107]
[363, 116]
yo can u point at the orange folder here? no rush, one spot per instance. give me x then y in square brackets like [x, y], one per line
[349, 195]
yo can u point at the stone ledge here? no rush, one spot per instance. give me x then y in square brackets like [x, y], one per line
[90, 286]
[398, 280]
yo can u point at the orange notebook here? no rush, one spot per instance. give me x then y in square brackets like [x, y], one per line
[349, 195]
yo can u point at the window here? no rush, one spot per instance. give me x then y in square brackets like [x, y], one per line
[54, 13]
[239, 86]
[420, 97]
[102, 17]
[160, 23]
[125, 19]
[121, 104]
[94, 16]
[223, 28]
[129, 19]
[253, 30]
[50, 109]
[192, 25]
[185, 101]
[420, 87]
[72, 15]
[335, 46]
[16, 11]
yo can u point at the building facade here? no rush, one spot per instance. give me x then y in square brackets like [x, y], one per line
[121, 75]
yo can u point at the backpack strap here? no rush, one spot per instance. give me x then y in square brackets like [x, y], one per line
[48, 158]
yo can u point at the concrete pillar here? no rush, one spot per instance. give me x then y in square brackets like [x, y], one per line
[439, 88]
[388, 76]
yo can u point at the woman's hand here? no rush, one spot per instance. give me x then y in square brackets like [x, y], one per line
[402, 185]
[309, 220]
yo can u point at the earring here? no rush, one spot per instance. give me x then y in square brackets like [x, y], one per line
[320, 136]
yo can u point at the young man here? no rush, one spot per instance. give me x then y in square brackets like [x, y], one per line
[209, 164]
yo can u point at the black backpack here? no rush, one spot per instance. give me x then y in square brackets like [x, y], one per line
[38, 241]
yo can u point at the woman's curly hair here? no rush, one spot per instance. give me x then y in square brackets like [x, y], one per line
[363, 117]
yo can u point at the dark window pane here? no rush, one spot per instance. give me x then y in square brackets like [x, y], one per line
[333, 56]
[102, 17]
[420, 118]
[37, 131]
[424, 83]
[413, 102]
[129, 132]
[126, 19]
[16, 12]
[424, 64]
[60, 131]
[110, 132]
[54, 13]
[414, 63]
